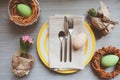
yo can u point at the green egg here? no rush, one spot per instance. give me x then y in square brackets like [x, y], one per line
[109, 60]
[24, 10]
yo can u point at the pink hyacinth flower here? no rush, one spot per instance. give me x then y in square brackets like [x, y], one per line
[27, 38]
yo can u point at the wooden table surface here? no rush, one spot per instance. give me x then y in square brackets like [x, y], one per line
[10, 34]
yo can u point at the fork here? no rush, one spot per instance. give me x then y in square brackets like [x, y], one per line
[70, 29]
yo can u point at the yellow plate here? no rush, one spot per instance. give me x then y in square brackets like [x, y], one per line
[42, 47]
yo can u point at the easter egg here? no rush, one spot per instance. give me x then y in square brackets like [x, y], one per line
[109, 60]
[24, 10]
[79, 41]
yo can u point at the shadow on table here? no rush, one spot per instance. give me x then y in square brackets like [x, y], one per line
[16, 29]
[97, 33]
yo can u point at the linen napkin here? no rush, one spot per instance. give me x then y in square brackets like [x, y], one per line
[55, 25]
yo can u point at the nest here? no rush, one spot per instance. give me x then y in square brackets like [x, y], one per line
[17, 18]
[98, 69]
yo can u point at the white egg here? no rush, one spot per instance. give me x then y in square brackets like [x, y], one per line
[79, 41]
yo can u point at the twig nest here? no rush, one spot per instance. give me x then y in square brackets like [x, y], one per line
[110, 55]
[21, 66]
[23, 12]
[79, 41]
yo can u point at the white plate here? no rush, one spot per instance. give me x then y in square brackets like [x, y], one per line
[42, 47]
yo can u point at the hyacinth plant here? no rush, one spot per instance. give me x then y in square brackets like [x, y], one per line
[22, 67]
[25, 42]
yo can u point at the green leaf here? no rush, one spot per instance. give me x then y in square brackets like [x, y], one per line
[22, 47]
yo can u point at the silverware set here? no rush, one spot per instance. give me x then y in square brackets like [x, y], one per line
[65, 36]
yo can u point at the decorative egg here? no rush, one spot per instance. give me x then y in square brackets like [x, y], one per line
[24, 10]
[79, 41]
[109, 60]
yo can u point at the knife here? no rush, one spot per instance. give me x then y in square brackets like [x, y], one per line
[66, 36]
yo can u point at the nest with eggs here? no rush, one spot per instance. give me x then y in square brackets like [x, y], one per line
[98, 69]
[17, 18]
